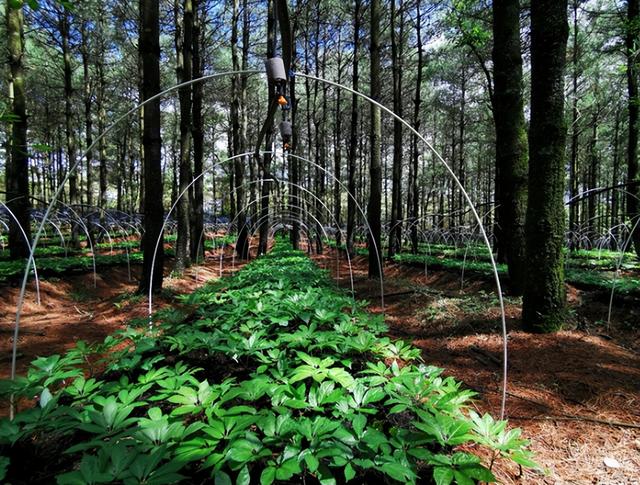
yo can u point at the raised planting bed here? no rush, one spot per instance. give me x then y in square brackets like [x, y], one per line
[271, 375]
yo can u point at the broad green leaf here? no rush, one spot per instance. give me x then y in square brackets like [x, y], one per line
[268, 475]
[443, 475]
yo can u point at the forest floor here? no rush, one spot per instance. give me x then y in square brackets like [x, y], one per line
[72, 309]
[575, 394]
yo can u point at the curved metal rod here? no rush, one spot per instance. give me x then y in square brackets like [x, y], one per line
[618, 266]
[471, 206]
[58, 191]
[340, 86]
[259, 221]
[363, 213]
[327, 209]
[309, 214]
[166, 220]
[28, 243]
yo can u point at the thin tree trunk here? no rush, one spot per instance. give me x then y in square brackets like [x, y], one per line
[615, 219]
[592, 178]
[462, 174]
[184, 44]
[375, 172]
[294, 199]
[68, 107]
[575, 132]
[397, 42]
[102, 116]
[415, 152]
[266, 158]
[353, 137]
[88, 101]
[197, 233]
[337, 154]
[242, 244]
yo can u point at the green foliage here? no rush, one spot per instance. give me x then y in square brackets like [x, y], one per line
[277, 375]
[48, 260]
[582, 268]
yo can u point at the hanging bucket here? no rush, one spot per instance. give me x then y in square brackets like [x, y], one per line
[275, 70]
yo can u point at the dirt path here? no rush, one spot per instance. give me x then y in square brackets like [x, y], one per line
[563, 388]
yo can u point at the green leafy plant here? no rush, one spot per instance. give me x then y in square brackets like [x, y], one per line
[275, 374]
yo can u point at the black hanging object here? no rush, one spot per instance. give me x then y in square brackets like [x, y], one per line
[286, 131]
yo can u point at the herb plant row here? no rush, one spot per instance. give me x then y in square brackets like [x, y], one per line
[271, 375]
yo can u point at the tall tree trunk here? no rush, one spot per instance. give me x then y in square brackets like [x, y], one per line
[575, 132]
[149, 47]
[88, 101]
[397, 42]
[592, 179]
[615, 219]
[242, 244]
[68, 107]
[543, 307]
[375, 171]
[337, 154]
[633, 176]
[265, 168]
[415, 152]
[294, 199]
[102, 114]
[17, 167]
[197, 229]
[353, 137]
[319, 116]
[511, 139]
[462, 174]
[184, 44]
[250, 162]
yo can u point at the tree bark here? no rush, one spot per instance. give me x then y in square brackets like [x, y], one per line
[88, 103]
[17, 167]
[265, 168]
[242, 243]
[511, 139]
[353, 137]
[575, 132]
[375, 170]
[414, 202]
[544, 296]
[197, 133]
[102, 116]
[294, 199]
[184, 44]
[68, 106]
[632, 41]
[149, 47]
[337, 154]
[397, 51]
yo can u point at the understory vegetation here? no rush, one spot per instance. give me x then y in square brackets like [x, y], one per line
[272, 374]
[60, 260]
